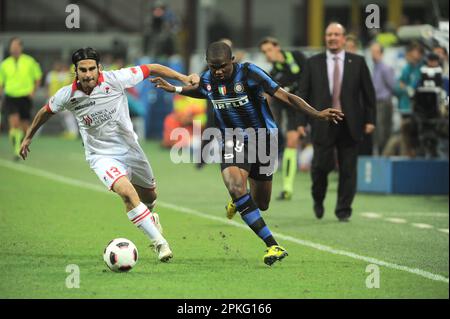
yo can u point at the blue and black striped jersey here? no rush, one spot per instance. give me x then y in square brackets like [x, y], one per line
[239, 102]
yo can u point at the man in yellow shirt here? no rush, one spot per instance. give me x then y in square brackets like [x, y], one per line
[20, 76]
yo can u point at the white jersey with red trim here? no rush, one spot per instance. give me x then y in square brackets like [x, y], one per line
[103, 116]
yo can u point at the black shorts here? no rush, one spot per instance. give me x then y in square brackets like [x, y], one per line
[286, 117]
[21, 105]
[257, 157]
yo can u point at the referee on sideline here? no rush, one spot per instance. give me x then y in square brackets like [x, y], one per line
[20, 76]
[286, 69]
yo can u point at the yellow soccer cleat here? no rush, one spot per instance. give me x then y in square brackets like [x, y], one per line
[231, 209]
[274, 253]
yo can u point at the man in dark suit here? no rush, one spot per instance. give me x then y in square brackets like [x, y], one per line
[342, 80]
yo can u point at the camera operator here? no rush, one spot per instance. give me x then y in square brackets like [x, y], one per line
[430, 110]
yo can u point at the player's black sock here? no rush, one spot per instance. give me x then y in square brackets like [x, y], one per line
[252, 217]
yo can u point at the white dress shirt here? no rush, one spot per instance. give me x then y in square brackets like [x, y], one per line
[330, 67]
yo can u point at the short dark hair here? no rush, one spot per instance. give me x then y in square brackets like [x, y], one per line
[433, 57]
[379, 44]
[85, 54]
[352, 38]
[414, 45]
[218, 49]
[270, 40]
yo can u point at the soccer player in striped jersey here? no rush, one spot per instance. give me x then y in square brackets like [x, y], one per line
[236, 92]
[99, 103]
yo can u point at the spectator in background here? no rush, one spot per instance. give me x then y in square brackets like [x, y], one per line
[387, 38]
[56, 78]
[404, 143]
[181, 118]
[365, 147]
[159, 37]
[410, 77]
[383, 78]
[351, 44]
[20, 76]
[443, 56]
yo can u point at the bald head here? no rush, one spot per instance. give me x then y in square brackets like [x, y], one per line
[335, 37]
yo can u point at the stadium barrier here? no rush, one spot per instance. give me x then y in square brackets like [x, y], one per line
[396, 175]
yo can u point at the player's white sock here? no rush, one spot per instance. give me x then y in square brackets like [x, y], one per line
[141, 217]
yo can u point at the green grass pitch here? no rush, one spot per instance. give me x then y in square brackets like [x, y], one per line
[55, 212]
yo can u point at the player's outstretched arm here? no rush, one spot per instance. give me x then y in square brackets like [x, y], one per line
[41, 117]
[189, 90]
[165, 72]
[298, 103]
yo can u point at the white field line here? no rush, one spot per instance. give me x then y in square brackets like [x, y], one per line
[371, 215]
[396, 220]
[403, 214]
[422, 226]
[307, 243]
[420, 214]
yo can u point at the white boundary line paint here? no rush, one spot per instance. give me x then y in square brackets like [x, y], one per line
[403, 214]
[371, 215]
[307, 243]
[422, 226]
[420, 214]
[396, 220]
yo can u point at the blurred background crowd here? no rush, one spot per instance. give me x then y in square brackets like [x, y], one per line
[407, 57]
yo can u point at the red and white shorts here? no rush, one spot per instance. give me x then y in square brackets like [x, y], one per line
[133, 164]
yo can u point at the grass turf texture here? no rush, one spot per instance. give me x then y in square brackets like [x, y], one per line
[46, 225]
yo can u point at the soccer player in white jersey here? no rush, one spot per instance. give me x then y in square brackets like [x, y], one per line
[98, 101]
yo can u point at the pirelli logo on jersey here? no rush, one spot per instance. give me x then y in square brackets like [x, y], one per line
[229, 103]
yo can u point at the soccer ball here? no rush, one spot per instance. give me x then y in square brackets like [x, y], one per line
[120, 255]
